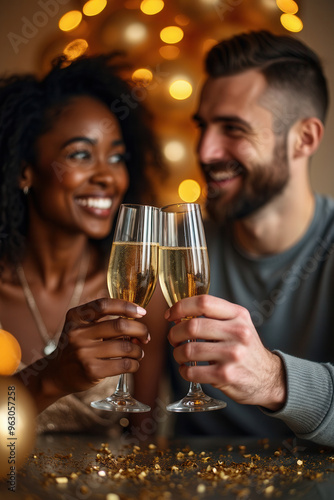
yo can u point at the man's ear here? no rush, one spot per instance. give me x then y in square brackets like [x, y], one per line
[25, 179]
[309, 133]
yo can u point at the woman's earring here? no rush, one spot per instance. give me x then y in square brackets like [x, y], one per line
[26, 190]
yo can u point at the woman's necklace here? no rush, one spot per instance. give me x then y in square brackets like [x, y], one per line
[51, 341]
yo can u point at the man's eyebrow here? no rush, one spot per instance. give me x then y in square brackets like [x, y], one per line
[224, 119]
[118, 142]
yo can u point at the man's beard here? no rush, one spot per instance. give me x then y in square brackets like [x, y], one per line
[260, 186]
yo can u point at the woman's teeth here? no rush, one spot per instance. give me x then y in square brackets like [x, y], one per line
[102, 203]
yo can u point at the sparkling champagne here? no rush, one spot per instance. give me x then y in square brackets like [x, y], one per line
[184, 272]
[132, 271]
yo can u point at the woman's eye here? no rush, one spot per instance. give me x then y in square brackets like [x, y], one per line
[79, 155]
[116, 158]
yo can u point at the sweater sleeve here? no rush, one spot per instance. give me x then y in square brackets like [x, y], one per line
[309, 408]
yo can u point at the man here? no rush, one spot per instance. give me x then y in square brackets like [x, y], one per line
[268, 323]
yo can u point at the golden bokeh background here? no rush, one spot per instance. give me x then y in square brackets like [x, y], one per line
[165, 43]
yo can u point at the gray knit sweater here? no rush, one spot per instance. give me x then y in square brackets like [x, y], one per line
[291, 300]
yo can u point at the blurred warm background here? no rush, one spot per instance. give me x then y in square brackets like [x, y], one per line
[165, 43]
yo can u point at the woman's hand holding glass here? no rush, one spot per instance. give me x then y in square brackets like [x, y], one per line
[132, 276]
[91, 347]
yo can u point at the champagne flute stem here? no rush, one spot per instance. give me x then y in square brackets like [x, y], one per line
[122, 385]
[194, 387]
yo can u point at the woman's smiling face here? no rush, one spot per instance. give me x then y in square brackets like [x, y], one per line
[80, 176]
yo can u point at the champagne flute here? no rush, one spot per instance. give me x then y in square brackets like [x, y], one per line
[184, 271]
[132, 276]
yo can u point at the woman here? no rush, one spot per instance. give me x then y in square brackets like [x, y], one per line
[69, 153]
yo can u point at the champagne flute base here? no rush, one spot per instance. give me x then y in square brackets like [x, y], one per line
[192, 403]
[121, 403]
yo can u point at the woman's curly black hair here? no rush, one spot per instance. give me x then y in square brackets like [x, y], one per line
[28, 107]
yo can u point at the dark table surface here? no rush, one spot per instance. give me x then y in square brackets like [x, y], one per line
[75, 466]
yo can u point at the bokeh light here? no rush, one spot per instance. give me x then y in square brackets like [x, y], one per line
[171, 34]
[180, 89]
[124, 422]
[143, 76]
[151, 7]
[10, 353]
[291, 22]
[287, 6]
[174, 151]
[208, 44]
[70, 20]
[189, 190]
[75, 48]
[182, 20]
[135, 32]
[169, 52]
[94, 7]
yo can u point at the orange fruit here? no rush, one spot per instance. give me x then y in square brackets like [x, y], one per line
[10, 353]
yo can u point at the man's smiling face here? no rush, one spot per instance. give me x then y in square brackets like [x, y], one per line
[245, 164]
